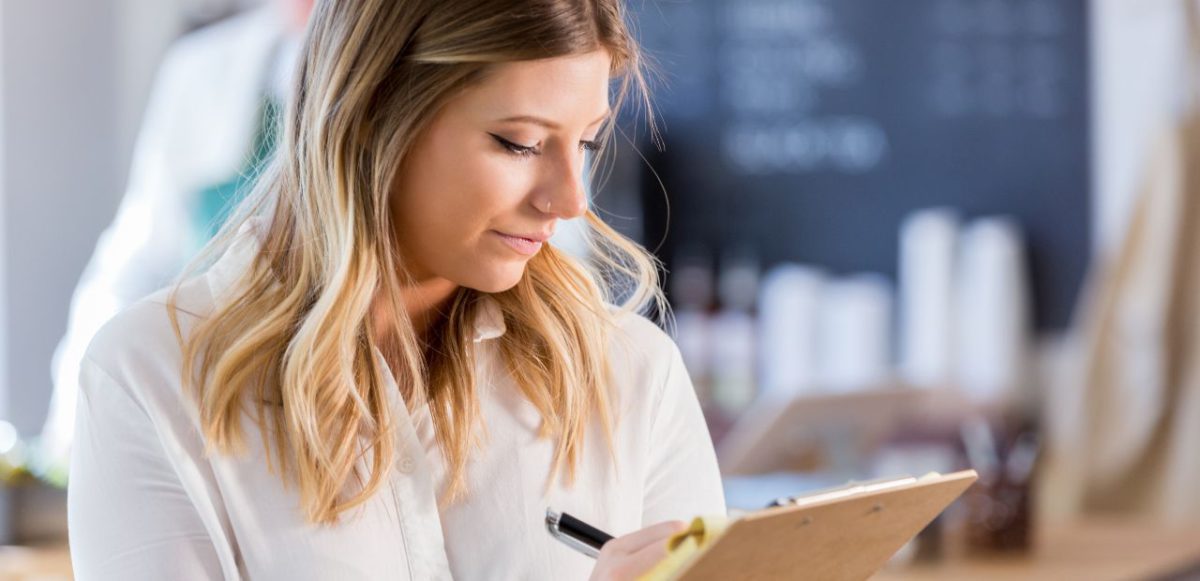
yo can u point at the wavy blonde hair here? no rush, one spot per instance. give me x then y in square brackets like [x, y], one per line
[292, 343]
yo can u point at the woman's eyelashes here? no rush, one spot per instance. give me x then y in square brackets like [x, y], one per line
[529, 150]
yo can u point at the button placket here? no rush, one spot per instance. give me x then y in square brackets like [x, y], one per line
[413, 493]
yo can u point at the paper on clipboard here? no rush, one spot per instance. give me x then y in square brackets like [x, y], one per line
[841, 534]
[847, 490]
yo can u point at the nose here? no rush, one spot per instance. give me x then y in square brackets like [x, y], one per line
[564, 192]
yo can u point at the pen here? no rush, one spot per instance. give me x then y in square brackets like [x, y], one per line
[575, 533]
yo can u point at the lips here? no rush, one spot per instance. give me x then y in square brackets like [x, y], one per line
[527, 245]
[534, 237]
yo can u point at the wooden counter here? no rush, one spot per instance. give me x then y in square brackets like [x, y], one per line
[51, 563]
[1095, 550]
[1092, 550]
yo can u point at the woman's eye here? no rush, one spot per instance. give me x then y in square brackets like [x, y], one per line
[519, 150]
[528, 150]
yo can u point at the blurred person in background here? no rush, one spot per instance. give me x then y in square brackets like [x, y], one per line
[211, 121]
[381, 369]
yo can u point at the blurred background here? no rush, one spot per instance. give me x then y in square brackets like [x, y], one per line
[900, 237]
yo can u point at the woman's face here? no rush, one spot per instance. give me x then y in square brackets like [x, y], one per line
[497, 168]
[296, 13]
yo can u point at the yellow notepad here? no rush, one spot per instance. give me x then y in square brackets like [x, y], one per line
[846, 533]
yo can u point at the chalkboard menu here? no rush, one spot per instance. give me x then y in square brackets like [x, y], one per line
[808, 129]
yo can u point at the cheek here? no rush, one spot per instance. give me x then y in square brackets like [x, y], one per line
[455, 189]
[476, 194]
[449, 203]
[469, 184]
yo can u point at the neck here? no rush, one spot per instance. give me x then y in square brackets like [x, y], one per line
[423, 302]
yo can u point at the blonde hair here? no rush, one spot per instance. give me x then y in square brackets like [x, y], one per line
[293, 339]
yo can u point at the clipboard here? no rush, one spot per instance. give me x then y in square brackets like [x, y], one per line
[833, 535]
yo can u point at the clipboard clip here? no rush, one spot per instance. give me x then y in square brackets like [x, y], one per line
[852, 488]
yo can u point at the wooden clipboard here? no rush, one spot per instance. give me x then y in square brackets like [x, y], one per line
[843, 539]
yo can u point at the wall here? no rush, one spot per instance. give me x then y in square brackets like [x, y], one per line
[60, 175]
[73, 81]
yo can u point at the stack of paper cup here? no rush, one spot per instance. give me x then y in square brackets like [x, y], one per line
[928, 257]
[994, 330]
[692, 285]
[788, 307]
[693, 336]
[855, 330]
[734, 384]
[734, 373]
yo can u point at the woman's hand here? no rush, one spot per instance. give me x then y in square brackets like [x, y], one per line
[625, 558]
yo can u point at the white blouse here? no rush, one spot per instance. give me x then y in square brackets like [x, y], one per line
[146, 502]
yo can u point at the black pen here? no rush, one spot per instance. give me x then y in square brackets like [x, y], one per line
[575, 533]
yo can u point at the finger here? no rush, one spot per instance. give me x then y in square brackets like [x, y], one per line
[645, 558]
[635, 541]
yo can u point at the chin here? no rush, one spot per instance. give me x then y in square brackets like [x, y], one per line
[497, 282]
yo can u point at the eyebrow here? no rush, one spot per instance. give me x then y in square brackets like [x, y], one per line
[546, 122]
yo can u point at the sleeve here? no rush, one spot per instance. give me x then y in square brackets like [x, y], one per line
[683, 480]
[139, 252]
[129, 515]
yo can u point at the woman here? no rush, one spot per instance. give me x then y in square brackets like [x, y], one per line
[209, 124]
[385, 372]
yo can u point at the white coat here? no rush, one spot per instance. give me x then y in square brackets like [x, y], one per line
[200, 123]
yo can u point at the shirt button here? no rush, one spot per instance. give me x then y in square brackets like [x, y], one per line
[407, 465]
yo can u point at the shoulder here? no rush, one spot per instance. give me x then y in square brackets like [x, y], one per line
[644, 360]
[139, 348]
[643, 337]
[141, 344]
[129, 377]
[131, 401]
